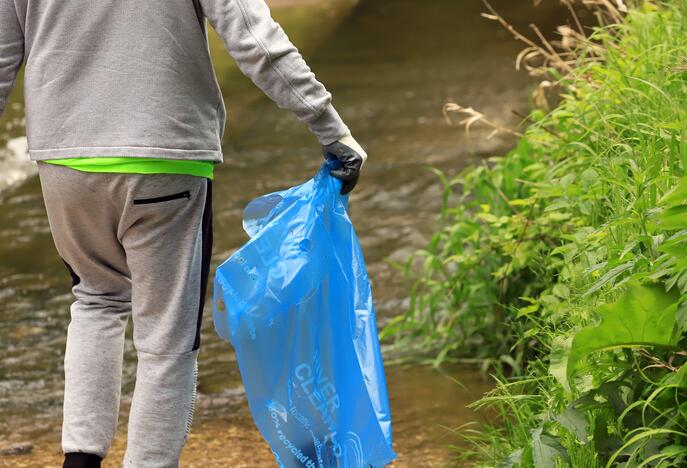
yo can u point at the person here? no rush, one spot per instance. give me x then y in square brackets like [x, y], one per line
[125, 118]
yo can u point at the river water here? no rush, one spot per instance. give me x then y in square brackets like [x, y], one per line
[391, 65]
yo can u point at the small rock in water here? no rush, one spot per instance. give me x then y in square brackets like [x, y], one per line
[16, 449]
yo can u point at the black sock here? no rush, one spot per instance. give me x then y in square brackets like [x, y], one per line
[81, 460]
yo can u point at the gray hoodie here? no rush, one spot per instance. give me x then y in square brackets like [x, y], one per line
[134, 77]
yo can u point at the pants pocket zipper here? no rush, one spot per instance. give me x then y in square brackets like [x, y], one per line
[176, 196]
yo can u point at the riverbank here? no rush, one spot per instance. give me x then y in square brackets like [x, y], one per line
[215, 443]
[563, 264]
[424, 404]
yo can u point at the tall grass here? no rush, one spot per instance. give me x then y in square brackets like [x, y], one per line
[563, 264]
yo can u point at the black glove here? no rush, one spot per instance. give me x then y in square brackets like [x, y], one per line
[350, 159]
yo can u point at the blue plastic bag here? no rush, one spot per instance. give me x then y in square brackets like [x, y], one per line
[295, 302]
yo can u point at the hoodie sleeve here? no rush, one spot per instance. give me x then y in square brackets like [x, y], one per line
[265, 54]
[11, 49]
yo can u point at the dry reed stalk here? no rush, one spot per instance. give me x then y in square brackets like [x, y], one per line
[473, 117]
[539, 59]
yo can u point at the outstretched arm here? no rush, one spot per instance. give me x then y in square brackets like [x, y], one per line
[265, 54]
[11, 49]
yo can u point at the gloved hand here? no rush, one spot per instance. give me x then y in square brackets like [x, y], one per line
[351, 156]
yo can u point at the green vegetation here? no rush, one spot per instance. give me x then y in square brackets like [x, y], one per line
[563, 265]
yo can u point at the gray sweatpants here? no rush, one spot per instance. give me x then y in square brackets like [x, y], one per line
[135, 245]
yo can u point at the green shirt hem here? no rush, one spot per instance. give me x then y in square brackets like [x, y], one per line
[127, 165]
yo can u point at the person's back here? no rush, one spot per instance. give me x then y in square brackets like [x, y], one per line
[134, 78]
[119, 78]
[125, 118]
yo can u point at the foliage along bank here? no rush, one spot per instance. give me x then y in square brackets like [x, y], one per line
[563, 264]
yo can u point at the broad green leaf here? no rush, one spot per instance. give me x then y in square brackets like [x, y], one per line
[675, 214]
[678, 196]
[574, 420]
[545, 449]
[674, 218]
[558, 360]
[645, 315]
[512, 459]
[681, 319]
[561, 291]
[604, 442]
[617, 393]
[527, 310]
[589, 177]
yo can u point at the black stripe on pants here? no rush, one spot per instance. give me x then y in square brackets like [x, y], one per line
[206, 256]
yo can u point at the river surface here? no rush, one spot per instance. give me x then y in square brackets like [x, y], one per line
[391, 65]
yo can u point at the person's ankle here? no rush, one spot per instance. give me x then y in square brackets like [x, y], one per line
[81, 460]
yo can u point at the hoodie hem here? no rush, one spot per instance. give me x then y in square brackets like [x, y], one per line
[126, 151]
